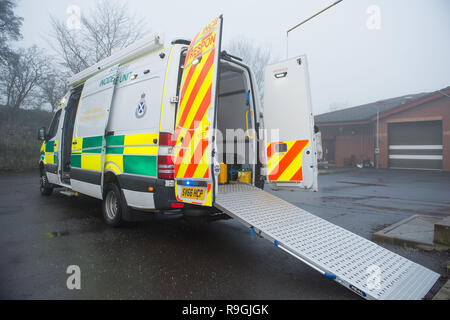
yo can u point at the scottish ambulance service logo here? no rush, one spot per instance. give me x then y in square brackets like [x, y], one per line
[141, 107]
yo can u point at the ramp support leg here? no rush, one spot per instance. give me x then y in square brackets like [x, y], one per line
[328, 275]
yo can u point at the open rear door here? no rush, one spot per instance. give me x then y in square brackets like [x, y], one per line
[88, 144]
[288, 118]
[194, 146]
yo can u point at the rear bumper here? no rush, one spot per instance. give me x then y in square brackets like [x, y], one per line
[164, 195]
[147, 193]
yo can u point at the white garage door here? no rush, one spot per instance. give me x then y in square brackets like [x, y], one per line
[415, 145]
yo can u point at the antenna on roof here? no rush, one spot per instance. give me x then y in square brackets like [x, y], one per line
[304, 21]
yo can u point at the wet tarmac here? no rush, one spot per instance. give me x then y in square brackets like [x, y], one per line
[169, 257]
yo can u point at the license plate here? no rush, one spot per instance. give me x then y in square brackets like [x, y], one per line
[193, 193]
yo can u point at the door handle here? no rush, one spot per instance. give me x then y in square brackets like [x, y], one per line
[280, 75]
[74, 143]
[246, 124]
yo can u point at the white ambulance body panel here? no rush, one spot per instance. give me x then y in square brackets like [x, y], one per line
[94, 107]
[289, 122]
[153, 76]
[287, 88]
[170, 91]
[91, 120]
[138, 81]
[136, 110]
[53, 176]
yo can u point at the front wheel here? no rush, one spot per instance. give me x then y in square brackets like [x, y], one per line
[44, 186]
[114, 206]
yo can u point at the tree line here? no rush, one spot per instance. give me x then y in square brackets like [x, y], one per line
[32, 78]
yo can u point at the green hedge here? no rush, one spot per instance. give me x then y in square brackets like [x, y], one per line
[19, 147]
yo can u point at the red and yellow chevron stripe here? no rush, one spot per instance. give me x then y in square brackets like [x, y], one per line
[192, 149]
[286, 166]
[192, 135]
[211, 26]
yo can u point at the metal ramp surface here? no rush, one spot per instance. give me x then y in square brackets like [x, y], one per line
[353, 261]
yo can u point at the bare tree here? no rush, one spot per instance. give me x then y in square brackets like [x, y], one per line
[257, 57]
[10, 26]
[53, 87]
[24, 69]
[109, 27]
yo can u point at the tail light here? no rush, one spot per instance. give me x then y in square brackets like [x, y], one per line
[166, 139]
[165, 156]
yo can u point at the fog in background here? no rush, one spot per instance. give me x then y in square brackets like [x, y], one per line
[406, 51]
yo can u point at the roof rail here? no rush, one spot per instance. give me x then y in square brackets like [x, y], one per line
[145, 45]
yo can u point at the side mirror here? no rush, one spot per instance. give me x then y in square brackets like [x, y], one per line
[42, 134]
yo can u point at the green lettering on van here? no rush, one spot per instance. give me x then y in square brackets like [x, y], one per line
[107, 80]
[124, 77]
[110, 79]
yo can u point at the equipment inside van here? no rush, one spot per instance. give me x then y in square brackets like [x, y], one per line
[159, 127]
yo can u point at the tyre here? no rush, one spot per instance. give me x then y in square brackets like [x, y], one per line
[45, 186]
[114, 205]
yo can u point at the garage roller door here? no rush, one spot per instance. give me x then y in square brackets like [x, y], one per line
[415, 145]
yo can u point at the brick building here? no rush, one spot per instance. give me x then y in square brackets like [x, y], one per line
[413, 132]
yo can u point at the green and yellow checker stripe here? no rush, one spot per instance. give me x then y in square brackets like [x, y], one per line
[49, 152]
[87, 153]
[129, 154]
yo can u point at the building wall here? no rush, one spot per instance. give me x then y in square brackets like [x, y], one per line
[360, 140]
[353, 143]
[438, 109]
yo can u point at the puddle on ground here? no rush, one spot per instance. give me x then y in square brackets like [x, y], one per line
[353, 198]
[364, 184]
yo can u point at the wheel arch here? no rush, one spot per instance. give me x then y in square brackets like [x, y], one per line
[110, 177]
[41, 166]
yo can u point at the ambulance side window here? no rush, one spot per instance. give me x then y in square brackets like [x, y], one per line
[53, 129]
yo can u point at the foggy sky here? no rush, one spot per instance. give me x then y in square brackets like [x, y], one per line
[349, 63]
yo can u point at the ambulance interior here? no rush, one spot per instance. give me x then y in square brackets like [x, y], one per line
[236, 141]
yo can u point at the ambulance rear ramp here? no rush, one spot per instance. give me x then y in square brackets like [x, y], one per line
[353, 261]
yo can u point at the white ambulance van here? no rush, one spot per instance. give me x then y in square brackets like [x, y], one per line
[158, 127]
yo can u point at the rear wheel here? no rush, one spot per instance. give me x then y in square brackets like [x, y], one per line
[114, 205]
[45, 186]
